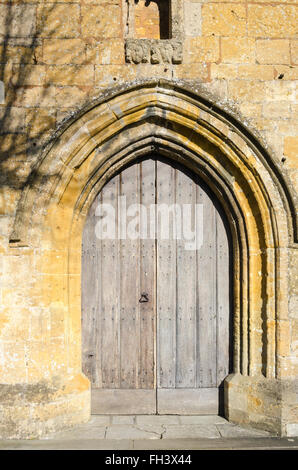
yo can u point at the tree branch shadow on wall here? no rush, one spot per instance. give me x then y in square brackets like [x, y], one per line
[22, 138]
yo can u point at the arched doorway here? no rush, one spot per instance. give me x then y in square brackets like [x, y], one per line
[132, 122]
[156, 288]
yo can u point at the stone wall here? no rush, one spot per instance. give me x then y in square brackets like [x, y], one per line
[55, 58]
[58, 56]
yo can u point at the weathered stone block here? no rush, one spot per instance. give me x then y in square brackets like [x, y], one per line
[153, 70]
[273, 51]
[30, 75]
[290, 150]
[52, 262]
[81, 75]
[71, 97]
[192, 19]
[286, 72]
[13, 145]
[105, 52]
[267, 401]
[223, 71]
[272, 21]
[14, 357]
[196, 72]
[204, 49]
[101, 21]
[280, 90]
[55, 20]
[292, 430]
[237, 50]
[8, 200]
[33, 410]
[14, 120]
[64, 51]
[294, 52]
[20, 54]
[113, 74]
[40, 122]
[223, 19]
[277, 109]
[37, 96]
[256, 72]
[17, 20]
[251, 110]
[241, 90]
[218, 88]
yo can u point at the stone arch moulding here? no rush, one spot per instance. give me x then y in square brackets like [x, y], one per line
[168, 118]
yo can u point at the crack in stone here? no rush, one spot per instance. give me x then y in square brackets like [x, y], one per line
[164, 431]
[149, 431]
[218, 430]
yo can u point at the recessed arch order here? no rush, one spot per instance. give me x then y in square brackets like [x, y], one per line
[171, 120]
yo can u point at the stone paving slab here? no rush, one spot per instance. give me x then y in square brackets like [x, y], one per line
[106, 420]
[118, 427]
[157, 419]
[155, 432]
[226, 430]
[99, 420]
[71, 444]
[218, 444]
[168, 444]
[207, 419]
[191, 431]
[134, 432]
[95, 432]
[123, 419]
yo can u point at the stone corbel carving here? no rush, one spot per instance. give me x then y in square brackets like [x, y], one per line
[153, 51]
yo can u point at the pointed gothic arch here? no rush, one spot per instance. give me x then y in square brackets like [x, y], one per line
[173, 121]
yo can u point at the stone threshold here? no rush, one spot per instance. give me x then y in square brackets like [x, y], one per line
[155, 432]
[156, 427]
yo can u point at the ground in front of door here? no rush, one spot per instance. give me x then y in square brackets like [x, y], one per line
[156, 432]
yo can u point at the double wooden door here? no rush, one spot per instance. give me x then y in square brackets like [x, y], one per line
[155, 311]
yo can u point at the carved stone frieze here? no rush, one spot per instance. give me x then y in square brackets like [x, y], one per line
[153, 51]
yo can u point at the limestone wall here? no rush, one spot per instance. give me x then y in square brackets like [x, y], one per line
[55, 58]
[59, 55]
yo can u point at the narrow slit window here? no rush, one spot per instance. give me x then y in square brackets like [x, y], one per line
[152, 19]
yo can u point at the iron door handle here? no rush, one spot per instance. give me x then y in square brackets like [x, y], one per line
[144, 298]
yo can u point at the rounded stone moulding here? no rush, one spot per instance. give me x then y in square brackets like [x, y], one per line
[128, 122]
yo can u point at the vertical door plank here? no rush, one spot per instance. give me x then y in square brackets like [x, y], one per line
[166, 282]
[90, 283]
[109, 305]
[129, 288]
[147, 310]
[223, 300]
[186, 289]
[97, 285]
[206, 316]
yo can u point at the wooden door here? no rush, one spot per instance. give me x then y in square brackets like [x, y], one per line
[155, 315]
